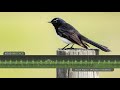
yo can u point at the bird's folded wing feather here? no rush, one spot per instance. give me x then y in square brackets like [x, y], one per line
[70, 34]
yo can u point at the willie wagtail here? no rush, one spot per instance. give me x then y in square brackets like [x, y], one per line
[70, 35]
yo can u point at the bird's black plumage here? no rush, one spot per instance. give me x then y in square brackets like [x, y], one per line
[67, 31]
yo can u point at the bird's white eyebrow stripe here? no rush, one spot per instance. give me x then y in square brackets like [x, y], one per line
[55, 19]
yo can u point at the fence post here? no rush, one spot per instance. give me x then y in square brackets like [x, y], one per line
[69, 73]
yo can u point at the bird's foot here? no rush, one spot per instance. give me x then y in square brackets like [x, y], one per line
[63, 48]
[66, 48]
[69, 48]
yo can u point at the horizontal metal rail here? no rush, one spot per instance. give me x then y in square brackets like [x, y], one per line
[59, 61]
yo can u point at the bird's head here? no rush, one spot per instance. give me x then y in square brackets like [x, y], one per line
[57, 22]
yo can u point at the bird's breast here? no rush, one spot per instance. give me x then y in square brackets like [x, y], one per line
[65, 40]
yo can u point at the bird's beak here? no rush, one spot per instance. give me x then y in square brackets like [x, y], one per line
[49, 22]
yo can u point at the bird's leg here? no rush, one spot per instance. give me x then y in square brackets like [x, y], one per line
[72, 46]
[65, 46]
[86, 44]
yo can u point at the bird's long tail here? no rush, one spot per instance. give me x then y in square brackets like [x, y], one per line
[104, 48]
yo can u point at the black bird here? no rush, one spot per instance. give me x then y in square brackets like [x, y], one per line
[71, 36]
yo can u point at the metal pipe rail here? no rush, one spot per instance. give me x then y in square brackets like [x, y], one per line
[59, 61]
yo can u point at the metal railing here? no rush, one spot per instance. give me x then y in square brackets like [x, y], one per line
[59, 61]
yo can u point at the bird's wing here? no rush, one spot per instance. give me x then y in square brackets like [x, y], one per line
[70, 34]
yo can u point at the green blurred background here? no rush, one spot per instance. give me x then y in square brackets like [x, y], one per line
[31, 32]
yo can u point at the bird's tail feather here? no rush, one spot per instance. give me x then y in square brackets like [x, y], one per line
[104, 48]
